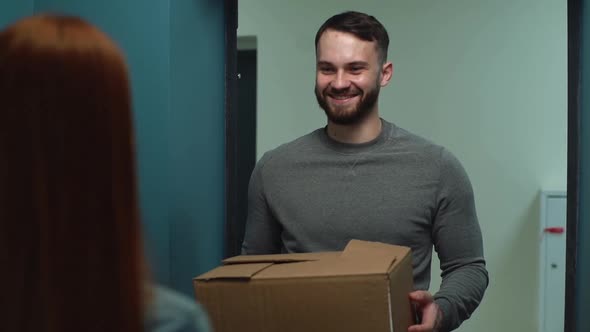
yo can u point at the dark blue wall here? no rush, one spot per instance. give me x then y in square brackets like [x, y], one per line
[13, 10]
[196, 138]
[175, 52]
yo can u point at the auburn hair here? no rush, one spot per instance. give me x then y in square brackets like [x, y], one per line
[68, 203]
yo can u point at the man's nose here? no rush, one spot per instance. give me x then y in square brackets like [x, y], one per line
[340, 82]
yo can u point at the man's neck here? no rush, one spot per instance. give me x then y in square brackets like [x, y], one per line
[365, 131]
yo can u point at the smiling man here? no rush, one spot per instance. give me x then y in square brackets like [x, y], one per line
[362, 177]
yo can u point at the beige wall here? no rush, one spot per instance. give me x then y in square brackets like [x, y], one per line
[487, 79]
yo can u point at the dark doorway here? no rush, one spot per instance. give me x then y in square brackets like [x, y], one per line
[245, 143]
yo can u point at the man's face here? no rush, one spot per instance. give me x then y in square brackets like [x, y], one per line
[348, 76]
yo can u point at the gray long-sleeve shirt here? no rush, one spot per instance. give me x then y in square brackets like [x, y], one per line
[316, 194]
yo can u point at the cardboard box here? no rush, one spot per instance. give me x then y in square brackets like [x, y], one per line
[363, 288]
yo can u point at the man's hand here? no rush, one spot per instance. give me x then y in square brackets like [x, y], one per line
[430, 312]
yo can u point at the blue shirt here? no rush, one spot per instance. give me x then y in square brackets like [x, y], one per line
[173, 312]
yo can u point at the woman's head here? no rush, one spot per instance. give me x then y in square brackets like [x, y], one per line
[68, 202]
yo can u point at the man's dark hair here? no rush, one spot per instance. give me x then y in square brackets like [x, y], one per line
[363, 26]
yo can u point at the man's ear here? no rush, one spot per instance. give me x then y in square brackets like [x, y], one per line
[386, 73]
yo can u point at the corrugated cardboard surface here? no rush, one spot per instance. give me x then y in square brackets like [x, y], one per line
[401, 282]
[363, 288]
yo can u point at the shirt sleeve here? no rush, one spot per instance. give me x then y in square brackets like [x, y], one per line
[263, 231]
[458, 242]
[172, 312]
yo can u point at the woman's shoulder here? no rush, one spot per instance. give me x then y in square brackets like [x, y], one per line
[170, 311]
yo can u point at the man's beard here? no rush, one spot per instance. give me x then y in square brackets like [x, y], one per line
[344, 116]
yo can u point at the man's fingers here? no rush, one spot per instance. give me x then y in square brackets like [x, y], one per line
[429, 316]
[427, 325]
[419, 328]
[428, 309]
[421, 297]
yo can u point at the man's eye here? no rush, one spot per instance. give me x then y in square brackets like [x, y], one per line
[356, 69]
[327, 70]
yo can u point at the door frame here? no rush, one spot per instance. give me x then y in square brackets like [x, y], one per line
[574, 29]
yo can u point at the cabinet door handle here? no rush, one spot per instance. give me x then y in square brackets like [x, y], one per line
[554, 230]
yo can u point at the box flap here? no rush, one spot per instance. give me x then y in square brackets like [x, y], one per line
[358, 258]
[376, 251]
[340, 266]
[281, 258]
[240, 271]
